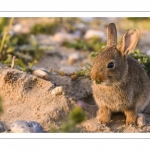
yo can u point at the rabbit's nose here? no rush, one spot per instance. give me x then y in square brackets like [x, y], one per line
[93, 75]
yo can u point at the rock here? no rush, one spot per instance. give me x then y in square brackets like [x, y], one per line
[148, 52]
[73, 57]
[42, 73]
[17, 28]
[1, 127]
[26, 127]
[69, 69]
[44, 40]
[36, 126]
[77, 34]
[60, 37]
[57, 91]
[87, 19]
[91, 33]
[81, 27]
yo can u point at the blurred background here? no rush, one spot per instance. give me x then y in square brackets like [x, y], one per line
[66, 45]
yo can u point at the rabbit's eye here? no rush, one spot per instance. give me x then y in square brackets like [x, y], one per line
[110, 65]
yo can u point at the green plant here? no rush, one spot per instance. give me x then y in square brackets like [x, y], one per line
[26, 54]
[75, 117]
[46, 28]
[138, 18]
[78, 44]
[23, 46]
[13, 44]
[93, 44]
[93, 54]
[142, 59]
[84, 72]
[3, 23]
[6, 32]
[96, 44]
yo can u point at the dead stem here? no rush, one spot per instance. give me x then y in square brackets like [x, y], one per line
[5, 35]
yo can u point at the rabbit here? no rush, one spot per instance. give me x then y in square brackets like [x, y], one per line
[119, 82]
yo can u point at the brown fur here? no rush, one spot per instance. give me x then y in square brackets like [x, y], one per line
[125, 87]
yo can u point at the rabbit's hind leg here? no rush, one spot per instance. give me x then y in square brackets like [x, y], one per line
[141, 120]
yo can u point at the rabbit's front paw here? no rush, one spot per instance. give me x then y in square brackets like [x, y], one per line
[104, 120]
[103, 115]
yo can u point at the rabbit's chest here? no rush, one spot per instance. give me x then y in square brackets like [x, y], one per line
[115, 100]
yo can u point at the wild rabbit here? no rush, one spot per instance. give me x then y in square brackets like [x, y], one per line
[120, 83]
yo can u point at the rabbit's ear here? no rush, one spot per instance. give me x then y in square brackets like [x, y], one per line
[111, 35]
[128, 41]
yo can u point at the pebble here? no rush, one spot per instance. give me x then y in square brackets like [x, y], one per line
[148, 52]
[77, 34]
[42, 73]
[68, 69]
[91, 33]
[22, 126]
[81, 27]
[87, 19]
[17, 28]
[73, 57]
[61, 37]
[1, 127]
[57, 91]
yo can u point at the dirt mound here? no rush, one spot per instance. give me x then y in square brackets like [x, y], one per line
[27, 97]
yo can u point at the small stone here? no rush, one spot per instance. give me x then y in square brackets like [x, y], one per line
[87, 19]
[81, 27]
[148, 52]
[77, 34]
[42, 73]
[1, 127]
[68, 70]
[73, 77]
[57, 91]
[36, 126]
[61, 37]
[91, 33]
[17, 28]
[22, 126]
[73, 57]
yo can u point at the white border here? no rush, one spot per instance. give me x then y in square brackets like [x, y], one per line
[75, 136]
[74, 5]
[74, 14]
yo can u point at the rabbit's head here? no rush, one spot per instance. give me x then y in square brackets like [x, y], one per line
[110, 66]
